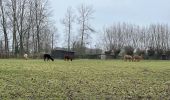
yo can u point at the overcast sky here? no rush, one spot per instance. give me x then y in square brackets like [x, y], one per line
[107, 12]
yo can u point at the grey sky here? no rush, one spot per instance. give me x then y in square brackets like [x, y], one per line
[107, 12]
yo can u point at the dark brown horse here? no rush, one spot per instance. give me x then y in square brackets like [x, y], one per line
[47, 57]
[68, 57]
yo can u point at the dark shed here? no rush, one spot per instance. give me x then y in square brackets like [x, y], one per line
[164, 57]
[59, 54]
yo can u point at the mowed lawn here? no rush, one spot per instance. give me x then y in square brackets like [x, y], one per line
[84, 79]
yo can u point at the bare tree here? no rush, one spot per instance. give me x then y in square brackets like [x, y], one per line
[84, 16]
[4, 26]
[29, 26]
[14, 26]
[27, 21]
[155, 36]
[67, 21]
[40, 20]
[54, 37]
[40, 12]
[21, 23]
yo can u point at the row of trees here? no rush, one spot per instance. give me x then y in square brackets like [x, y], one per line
[26, 27]
[152, 37]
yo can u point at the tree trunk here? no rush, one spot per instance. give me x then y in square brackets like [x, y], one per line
[5, 31]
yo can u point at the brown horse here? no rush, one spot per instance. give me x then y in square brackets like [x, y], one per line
[68, 57]
[128, 58]
[137, 58]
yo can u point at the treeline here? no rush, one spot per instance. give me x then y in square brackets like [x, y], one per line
[25, 26]
[153, 39]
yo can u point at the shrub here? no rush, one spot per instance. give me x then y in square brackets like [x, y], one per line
[129, 50]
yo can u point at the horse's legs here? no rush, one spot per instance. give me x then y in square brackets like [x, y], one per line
[44, 58]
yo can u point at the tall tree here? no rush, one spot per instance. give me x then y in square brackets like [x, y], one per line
[4, 26]
[27, 21]
[41, 18]
[84, 16]
[21, 23]
[14, 26]
[67, 21]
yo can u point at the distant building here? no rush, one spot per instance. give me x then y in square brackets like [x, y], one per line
[93, 51]
[59, 54]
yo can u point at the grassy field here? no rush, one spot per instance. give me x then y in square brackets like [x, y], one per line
[84, 79]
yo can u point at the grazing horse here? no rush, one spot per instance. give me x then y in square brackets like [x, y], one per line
[26, 56]
[127, 57]
[48, 56]
[67, 57]
[137, 58]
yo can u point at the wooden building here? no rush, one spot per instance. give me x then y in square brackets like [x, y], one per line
[59, 54]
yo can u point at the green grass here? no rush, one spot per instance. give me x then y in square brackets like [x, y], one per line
[84, 79]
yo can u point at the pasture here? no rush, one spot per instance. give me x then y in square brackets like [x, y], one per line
[84, 79]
